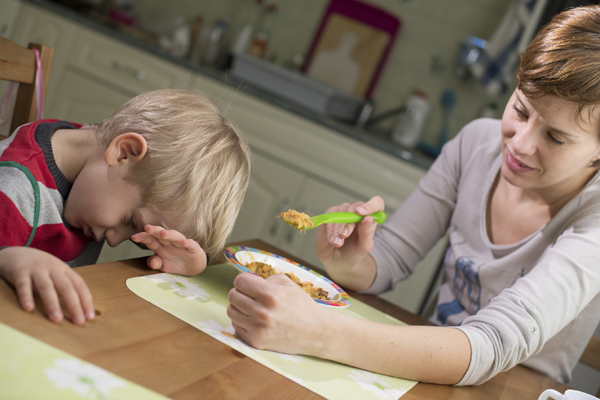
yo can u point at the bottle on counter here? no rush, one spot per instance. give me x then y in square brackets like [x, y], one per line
[259, 44]
[408, 127]
[244, 36]
[214, 53]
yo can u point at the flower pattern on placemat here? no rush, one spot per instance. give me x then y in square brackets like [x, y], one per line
[375, 384]
[87, 380]
[226, 335]
[296, 359]
[180, 285]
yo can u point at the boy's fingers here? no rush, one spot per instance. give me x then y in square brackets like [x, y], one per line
[45, 288]
[154, 262]
[148, 240]
[171, 235]
[69, 296]
[84, 294]
[191, 245]
[24, 293]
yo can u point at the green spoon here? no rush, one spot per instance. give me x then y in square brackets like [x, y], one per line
[330, 218]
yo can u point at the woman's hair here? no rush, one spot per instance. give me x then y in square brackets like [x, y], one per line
[197, 167]
[564, 59]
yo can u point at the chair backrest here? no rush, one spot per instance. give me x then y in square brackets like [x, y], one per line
[591, 355]
[18, 64]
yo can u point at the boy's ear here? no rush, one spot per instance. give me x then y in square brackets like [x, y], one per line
[126, 147]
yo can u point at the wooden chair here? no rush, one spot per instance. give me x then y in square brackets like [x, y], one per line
[591, 355]
[18, 64]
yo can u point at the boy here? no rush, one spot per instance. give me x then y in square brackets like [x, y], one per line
[167, 170]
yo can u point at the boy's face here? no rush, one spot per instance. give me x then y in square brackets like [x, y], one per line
[106, 206]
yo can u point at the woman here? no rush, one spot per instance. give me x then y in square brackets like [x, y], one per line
[520, 200]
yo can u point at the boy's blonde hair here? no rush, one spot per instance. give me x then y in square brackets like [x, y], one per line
[197, 167]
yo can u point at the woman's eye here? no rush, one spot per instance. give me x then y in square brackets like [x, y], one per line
[520, 113]
[132, 223]
[554, 140]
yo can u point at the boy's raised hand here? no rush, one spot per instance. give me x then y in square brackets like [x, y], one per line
[29, 270]
[174, 253]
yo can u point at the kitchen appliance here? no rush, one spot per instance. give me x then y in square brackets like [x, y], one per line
[296, 87]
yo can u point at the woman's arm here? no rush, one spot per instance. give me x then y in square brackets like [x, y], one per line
[277, 315]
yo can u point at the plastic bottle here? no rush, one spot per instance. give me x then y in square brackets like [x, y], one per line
[409, 125]
[214, 51]
[242, 41]
[260, 42]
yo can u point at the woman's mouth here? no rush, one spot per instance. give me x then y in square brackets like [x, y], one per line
[515, 165]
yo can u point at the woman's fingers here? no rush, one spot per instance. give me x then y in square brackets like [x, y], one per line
[375, 204]
[366, 230]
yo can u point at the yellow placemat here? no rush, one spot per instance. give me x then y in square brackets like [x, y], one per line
[201, 301]
[31, 369]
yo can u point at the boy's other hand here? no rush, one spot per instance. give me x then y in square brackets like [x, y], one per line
[174, 253]
[29, 270]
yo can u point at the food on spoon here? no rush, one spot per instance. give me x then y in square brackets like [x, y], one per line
[298, 220]
[265, 270]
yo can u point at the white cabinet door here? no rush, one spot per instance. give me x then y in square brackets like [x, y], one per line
[9, 9]
[123, 67]
[84, 101]
[36, 25]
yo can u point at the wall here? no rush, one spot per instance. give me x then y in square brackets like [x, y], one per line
[424, 55]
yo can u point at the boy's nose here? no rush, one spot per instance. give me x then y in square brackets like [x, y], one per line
[115, 236]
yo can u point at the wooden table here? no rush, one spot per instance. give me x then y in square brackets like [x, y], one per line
[144, 344]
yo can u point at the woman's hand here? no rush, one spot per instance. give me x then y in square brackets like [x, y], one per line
[344, 248]
[29, 270]
[174, 253]
[276, 314]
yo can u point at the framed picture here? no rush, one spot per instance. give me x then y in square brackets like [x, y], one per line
[351, 45]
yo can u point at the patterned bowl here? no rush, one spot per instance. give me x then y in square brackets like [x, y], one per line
[239, 256]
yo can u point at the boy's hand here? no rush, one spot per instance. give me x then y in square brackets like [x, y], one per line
[55, 282]
[175, 253]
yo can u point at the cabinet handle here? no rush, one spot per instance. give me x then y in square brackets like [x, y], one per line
[136, 73]
[281, 207]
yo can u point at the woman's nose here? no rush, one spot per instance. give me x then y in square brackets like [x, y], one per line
[524, 141]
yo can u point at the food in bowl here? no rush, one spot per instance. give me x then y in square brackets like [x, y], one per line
[240, 256]
[265, 270]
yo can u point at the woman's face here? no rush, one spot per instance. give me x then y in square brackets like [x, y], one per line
[544, 147]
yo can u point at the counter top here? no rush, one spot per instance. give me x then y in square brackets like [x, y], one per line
[373, 138]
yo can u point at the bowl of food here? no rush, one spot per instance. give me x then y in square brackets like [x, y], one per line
[265, 264]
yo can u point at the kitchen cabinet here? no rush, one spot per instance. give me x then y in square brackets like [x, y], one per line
[36, 25]
[10, 9]
[297, 163]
